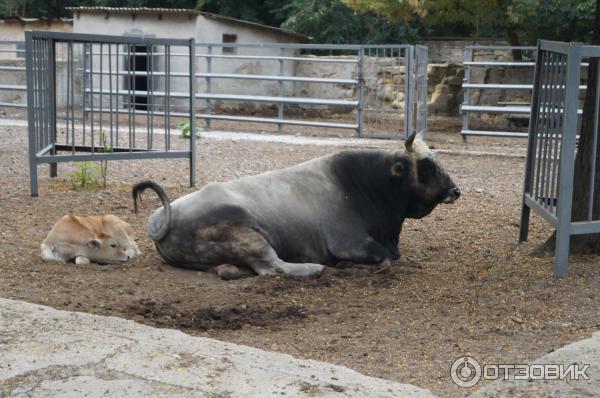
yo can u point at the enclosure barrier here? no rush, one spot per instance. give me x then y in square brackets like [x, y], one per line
[552, 145]
[13, 87]
[377, 90]
[95, 96]
[505, 108]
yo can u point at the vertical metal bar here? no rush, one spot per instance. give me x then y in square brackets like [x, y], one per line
[541, 124]
[408, 104]
[560, 104]
[168, 97]
[567, 161]
[84, 90]
[52, 97]
[71, 57]
[192, 91]
[135, 97]
[360, 77]
[117, 97]
[151, 99]
[208, 85]
[148, 124]
[91, 98]
[110, 95]
[280, 90]
[468, 57]
[531, 146]
[31, 125]
[69, 110]
[101, 99]
[131, 99]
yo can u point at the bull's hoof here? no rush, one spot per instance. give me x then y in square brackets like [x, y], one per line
[229, 272]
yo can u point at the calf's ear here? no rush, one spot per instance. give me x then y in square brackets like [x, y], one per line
[94, 244]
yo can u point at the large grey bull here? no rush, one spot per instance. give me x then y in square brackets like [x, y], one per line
[343, 208]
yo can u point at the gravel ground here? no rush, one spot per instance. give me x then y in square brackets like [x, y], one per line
[462, 286]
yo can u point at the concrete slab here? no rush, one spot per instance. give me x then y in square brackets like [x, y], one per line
[47, 353]
[582, 352]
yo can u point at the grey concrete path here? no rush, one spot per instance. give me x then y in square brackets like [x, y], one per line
[50, 353]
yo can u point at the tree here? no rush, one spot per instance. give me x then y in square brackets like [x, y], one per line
[520, 21]
[331, 21]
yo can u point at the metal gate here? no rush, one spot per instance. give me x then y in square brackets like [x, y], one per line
[552, 145]
[99, 89]
[387, 90]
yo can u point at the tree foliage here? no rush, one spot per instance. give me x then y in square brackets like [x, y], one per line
[331, 21]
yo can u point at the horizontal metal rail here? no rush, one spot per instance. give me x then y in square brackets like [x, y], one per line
[500, 63]
[497, 86]
[483, 133]
[13, 68]
[228, 97]
[251, 119]
[301, 79]
[13, 105]
[260, 57]
[12, 87]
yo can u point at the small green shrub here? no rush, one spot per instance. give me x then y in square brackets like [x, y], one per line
[185, 130]
[86, 178]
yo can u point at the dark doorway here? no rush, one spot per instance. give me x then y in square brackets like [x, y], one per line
[138, 62]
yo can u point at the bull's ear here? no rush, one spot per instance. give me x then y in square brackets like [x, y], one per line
[408, 144]
[400, 168]
[94, 244]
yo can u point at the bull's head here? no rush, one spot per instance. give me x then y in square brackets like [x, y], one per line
[429, 183]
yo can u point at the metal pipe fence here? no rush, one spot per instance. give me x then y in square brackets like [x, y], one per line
[369, 89]
[552, 145]
[497, 59]
[90, 99]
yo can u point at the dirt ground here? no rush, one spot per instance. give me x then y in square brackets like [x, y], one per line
[462, 286]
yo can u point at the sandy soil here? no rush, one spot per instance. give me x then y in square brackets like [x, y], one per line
[462, 286]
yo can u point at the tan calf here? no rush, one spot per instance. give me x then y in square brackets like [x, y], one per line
[101, 239]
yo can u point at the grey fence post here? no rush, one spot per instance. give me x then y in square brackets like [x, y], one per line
[192, 91]
[33, 183]
[280, 91]
[52, 77]
[533, 119]
[361, 89]
[567, 160]
[207, 121]
[409, 91]
[466, 93]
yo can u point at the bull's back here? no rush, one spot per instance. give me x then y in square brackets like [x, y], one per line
[286, 206]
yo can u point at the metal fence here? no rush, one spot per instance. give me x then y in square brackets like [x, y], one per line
[12, 74]
[91, 83]
[552, 145]
[376, 90]
[495, 58]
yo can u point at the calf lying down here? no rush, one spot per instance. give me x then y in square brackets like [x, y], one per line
[102, 239]
[343, 208]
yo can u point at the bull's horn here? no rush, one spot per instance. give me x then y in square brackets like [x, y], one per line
[409, 142]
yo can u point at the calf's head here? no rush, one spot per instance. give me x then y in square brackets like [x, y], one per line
[427, 181]
[104, 249]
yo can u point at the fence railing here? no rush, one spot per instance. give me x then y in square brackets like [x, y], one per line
[553, 146]
[369, 89]
[67, 81]
[473, 61]
[12, 74]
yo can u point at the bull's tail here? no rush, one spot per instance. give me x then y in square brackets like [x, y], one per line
[136, 192]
